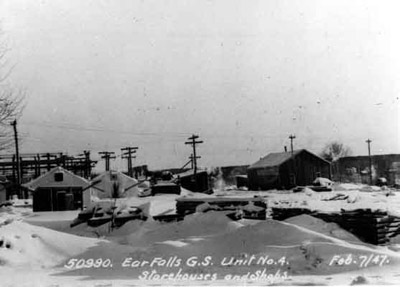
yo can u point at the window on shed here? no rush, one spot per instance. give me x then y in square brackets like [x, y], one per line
[59, 176]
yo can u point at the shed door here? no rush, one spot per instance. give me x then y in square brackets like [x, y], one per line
[61, 200]
[293, 179]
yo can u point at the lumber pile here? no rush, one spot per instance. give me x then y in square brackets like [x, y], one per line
[376, 227]
[166, 188]
[284, 213]
[169, 216]
[371, 226]
[251, 208]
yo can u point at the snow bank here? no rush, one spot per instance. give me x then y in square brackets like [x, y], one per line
[320, 226]
[308, 244]
[10, 212]
[194, 225]
[349, 186]
[26, 245]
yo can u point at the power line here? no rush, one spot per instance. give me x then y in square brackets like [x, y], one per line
[91, 129]
[163, 134]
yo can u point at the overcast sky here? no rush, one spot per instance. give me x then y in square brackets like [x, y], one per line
[243, 75]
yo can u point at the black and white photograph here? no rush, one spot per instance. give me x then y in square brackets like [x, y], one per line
[199, 143]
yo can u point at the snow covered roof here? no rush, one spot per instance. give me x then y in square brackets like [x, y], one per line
[105, 182]
[111, 176]
[190, 173]
[276, 159]
[49, 179]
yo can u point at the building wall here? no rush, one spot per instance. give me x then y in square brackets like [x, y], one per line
[200, 184]
[263, 178]
[357, 169]
[57, 199]
[302, 170]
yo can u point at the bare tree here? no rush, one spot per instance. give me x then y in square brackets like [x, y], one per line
[335, 150]
[11, 100]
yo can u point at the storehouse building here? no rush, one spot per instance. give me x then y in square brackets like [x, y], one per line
[286, 170]
[58, 190]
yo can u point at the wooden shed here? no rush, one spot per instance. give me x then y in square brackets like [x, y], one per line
[196, 183]
[284, 170]
[58, 190]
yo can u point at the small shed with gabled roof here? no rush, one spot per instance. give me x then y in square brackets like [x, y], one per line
[58, 190]
[112, 183]
[285, 170]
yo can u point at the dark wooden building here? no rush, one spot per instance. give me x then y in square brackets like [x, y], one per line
[59, 190]
[284, 171]
[196, 183]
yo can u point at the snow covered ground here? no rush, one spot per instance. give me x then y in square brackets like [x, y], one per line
[41, 249]
[354, 197]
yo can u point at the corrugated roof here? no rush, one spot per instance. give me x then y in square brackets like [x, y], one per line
[276, 159]
[47, 180]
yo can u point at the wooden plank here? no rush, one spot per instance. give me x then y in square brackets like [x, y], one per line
[220, 199]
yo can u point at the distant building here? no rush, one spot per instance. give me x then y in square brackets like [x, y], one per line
[284, 171]
[58, 190]
[198, 183]
[230, 173]
[356, 169]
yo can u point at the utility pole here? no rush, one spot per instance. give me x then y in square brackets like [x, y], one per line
[107, 155]
[292, 137]
[293, 174]
[192, 141]
[128, 155]
[88, 164]
[18, 167]
[368, 141]
[192, 161]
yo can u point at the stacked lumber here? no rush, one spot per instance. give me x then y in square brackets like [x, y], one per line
[165, 187]
[371, 226]
[284, 213]
[168, 216]
[189, 205]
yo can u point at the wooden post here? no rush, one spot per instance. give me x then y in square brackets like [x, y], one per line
[368, 141]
